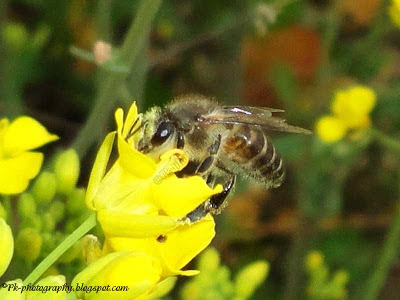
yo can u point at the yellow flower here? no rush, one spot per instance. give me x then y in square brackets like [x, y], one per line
[7, 246]
[314, 260]
[18, 164]
[136, 185]
[174, 249]
[141, 205]
[394, 12]
[49, 288]
[138, 271]
[330, 129]
[354, 105]
[351, 109]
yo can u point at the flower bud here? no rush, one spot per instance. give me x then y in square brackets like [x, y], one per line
[8, 292]
[49, 283]
[76, 202]
[66, 168]
[91, 248]
[28, 243]
[7, 246]
[45, 187]
[314, 260]
[15, 36]
[101, 52]
[49, 222]
[250, 278]
[72, 224]
[163, 288]
[33, 221]
[209, 261]
[57, 210]
[26, 206]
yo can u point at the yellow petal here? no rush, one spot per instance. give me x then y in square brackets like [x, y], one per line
[7, 246]
[99, 169]
[139, 271]
[120, 190]
[118, 223]
[7, 293]
[163, 288]
[186, 242]
[394, 12]
[353, 106]
[119, 119]
[93, 269]
[330, 129]
[24, 134]
[16, 172]
[175, 249]
[130, 119]
[54, 286]
[133, 161]
[134, 267]
[179, 196]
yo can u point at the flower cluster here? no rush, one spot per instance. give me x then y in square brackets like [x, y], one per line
[394, 12]
[141, 206]
[322, 284]
[18, 164]
[214, 281]
[350, 111]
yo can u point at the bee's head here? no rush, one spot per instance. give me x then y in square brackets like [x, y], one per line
[157, 135]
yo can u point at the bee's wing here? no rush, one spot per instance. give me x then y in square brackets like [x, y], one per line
[253, 116]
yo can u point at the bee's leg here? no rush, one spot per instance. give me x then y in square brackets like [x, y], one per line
[217, 202]
[208, 162]
[211, 180]
[180, 140]
[215, 146]
[214, 205]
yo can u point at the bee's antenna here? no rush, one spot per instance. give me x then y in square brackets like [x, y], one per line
[132, 133]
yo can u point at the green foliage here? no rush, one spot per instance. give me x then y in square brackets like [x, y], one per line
[214, 280]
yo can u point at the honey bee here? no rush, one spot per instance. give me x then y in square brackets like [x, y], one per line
[221, 141]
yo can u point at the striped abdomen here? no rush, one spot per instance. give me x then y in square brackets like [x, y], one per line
[251, 150]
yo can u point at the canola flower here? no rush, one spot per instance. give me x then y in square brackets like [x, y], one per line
[141, 206]
[7, 245]
[48, 288]
[18, 164]
[394, 12]
[351, 110]
[322, 283]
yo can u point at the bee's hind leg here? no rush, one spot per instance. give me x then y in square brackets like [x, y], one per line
[214, 205]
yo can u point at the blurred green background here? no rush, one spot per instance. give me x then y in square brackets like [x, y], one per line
[339, 200]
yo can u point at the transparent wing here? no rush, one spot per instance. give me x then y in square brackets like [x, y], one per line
[253, 116]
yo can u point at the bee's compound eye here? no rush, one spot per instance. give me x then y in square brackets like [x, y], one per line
[164, 130]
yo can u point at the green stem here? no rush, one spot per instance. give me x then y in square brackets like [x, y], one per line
[103, 18]
[64, 246]
[106, 98]
[303, 239]
[388, 142]
[386, 259]
[8, 209]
